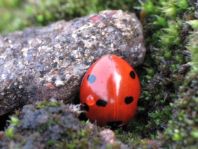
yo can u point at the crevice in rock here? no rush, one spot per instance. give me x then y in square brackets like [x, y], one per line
[4, 121]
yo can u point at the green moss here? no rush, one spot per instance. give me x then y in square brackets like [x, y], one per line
[17, 14]
[182, 129]
[170, 35]
[41, 105]
[160, 76]
[194, 133]
[178, 133]
[193, 23]
[9, 132]
[113, 146]
[14, 121]
[160, 21]
[51, 143]
[148, 7]
[10, 3]
[193, 47]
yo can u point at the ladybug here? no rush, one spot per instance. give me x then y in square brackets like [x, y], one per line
[109, 91]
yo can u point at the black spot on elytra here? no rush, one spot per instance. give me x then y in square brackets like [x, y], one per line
[84, 107]
[101, 103]
[91, 78]
[128, 99]
[132, 74]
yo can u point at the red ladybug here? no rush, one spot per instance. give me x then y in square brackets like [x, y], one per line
[110, 90]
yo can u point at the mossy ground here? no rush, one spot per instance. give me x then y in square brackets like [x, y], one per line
[165, 110]
[17, 14]
[49, 125]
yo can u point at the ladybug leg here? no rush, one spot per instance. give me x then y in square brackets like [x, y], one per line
[83, 110]
[115, 124]
[82, 116]
[84, 107]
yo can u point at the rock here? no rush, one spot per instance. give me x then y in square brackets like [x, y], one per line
[1, 135]
[62, 129]
[49, 62]
[195, 4]
[107, 136]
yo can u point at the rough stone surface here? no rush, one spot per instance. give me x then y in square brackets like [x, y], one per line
[196, 7]
[54, 125]
[49, 62]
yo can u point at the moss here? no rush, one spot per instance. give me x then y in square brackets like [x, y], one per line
[46, 103]
[17, 14]
[167, 103]
[9, 132]
[193, 23]
[193, 47]
[14, 121]
[160, 75]
[113, 146]
[51, 143]
[182, 128]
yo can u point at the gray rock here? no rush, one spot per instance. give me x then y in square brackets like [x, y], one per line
[49, 62]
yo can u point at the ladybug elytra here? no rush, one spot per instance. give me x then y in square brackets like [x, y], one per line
[110, 90]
